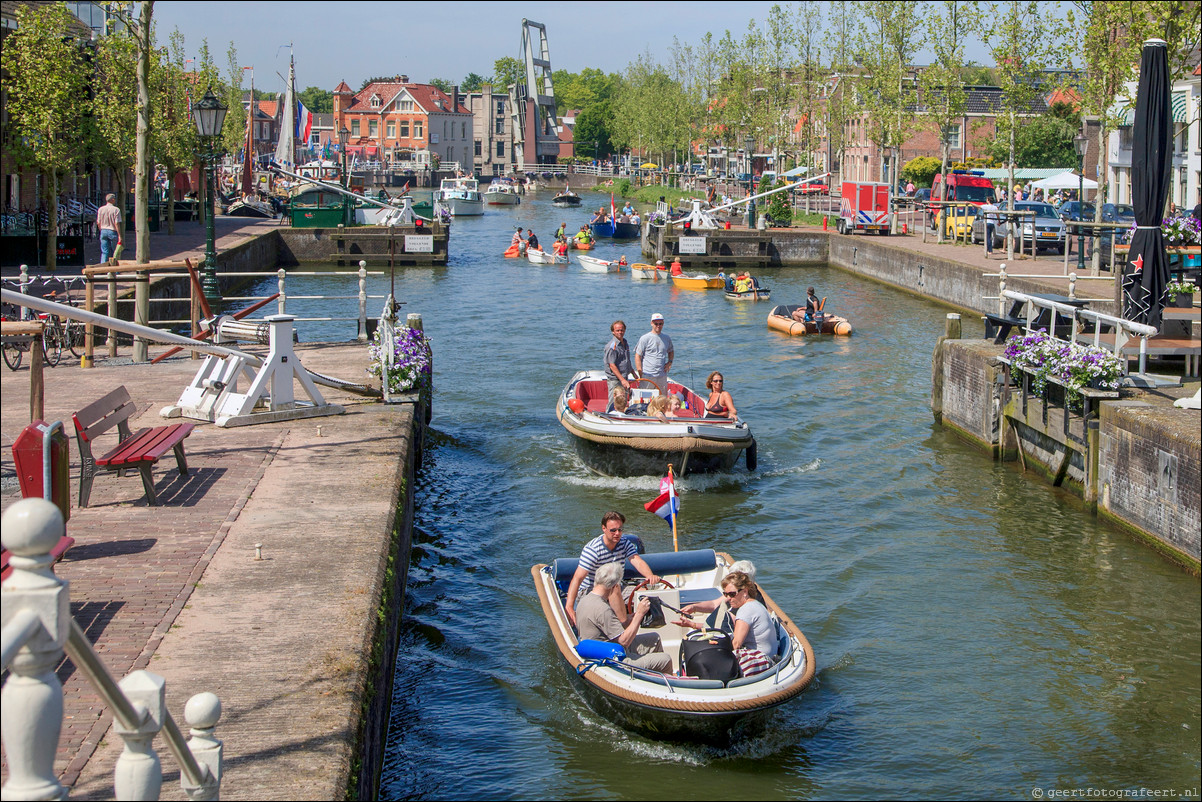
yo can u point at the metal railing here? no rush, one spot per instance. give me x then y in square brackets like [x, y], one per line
[1078, 316]
[142, 302]
[38, 631]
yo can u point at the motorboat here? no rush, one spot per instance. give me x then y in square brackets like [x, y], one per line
[669, 705]
[594, 265]
[617, 444]
[250, 206]
[642, 270]
[461, 196]
[746, 288]
[502, 193]
[566, 199]
[580, 245]
[698, 282]
[541, 257]
[781, 319]
[611, 230]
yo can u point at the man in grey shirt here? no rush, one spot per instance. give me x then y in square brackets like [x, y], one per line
[596, 619]
[617, 358]
[653, 354]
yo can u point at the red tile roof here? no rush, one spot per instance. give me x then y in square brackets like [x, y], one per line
[426, 96]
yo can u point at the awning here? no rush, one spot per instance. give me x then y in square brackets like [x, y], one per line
[1067, 180]
[1178, 108]
[796, 171]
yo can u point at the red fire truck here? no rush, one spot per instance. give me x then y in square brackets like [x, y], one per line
[963, 186]
[864, 207]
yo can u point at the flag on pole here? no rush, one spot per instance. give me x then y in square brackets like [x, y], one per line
[304, 123]
[667, 504]
[613, 211]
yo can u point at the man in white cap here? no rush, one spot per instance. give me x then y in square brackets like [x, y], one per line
[653, 354]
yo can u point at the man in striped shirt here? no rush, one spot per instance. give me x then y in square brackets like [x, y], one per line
[608, 547]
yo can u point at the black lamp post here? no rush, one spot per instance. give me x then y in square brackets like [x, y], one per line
[344, 137]
[210, 117]
[1080, 142]
[748, 147]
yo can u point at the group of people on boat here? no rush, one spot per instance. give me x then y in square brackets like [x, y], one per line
[652, 359]
[595, 606]
[742, 282]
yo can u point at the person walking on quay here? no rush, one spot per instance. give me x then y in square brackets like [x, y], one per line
[108, 221]
[654, 353]
[988, 210]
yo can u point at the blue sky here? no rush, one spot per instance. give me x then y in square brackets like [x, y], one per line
[354, 40]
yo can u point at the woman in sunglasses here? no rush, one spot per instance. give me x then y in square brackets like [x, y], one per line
[754, 637]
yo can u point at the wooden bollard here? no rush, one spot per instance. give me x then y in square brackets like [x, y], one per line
[952, 328]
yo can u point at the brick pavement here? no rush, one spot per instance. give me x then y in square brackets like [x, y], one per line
[164, 587]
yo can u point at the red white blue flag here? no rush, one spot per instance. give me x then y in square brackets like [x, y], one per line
[304, 123]
[613, 211]
[667, 504]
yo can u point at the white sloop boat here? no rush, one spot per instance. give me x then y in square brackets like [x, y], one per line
[460, 196]
[616, 444]
[667, 705]
[537, 257]
[500, 193]
[595, 265]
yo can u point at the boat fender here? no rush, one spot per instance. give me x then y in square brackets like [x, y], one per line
[600, 650]
[576, 405]
[751, 456]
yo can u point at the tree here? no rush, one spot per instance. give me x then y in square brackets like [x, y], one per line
[1042, 142]
[1020, 42]
[922, 169]
[508, 71]
[808, 38]
[174, 137]
[472, 82]
[46, 79]
[948, 28]
[591, 127]
[317, 100]
[115, 123]
[841, 103]
[441, 83]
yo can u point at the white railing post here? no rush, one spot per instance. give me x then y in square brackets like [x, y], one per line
[139, 774]
[31, 705]
[25, 280]
[201, 713]
[279, 304]
[362, 301]
[1001, 290]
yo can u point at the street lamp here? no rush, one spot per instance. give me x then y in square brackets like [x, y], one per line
[344, 137]
[748, 147]
[1080, 142]
[210, 117]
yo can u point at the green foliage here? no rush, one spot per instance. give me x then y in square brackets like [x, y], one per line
[778, 205]
[506, 71]
[472, 82]
[622, 187]
[591, 128]
[114, 113]
[1044, 141]
[441, 83]
[921, 170]
[977, 75]
[317, 100]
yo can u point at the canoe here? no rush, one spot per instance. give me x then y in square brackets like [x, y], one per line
[545, 258]
[614, 444]
[780, 319]
[594, 265]
[698, 282]
[667, 706]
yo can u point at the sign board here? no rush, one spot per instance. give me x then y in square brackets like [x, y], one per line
[419, 243]
[692, 245]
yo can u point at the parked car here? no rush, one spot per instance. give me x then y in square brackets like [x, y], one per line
[1046, 228]
[922, 195]
[960, 220]
[1118, 213]
[1071, 210]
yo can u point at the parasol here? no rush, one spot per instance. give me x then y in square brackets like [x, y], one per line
[1144, 286]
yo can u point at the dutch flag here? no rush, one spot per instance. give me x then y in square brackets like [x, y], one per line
[667, 505]
[304, 123]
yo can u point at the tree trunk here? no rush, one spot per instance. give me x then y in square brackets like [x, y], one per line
[142, 164]
[170, 200]
[1010, 197]
[51, 257]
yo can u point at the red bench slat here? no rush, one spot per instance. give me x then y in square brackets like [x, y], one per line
[146, 445]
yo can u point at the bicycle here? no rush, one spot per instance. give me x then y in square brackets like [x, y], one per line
[71, 331]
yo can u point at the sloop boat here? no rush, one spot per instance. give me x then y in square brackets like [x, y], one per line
[668, 705]
[617, 444]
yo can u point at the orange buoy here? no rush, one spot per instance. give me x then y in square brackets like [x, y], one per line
[576, 405]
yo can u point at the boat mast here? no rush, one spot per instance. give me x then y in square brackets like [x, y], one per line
[249, 150]
[285, 150]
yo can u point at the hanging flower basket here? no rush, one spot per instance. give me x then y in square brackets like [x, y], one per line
[411, 359]
[1069, 365]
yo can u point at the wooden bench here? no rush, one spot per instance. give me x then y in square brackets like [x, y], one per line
[65, 542]
[140, 450]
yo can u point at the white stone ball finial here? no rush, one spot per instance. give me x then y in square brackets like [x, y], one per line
[202, 711]
[32, 526]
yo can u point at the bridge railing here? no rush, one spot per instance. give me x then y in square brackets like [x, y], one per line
[38, 630]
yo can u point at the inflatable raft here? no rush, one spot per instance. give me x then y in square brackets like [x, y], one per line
[781, 319]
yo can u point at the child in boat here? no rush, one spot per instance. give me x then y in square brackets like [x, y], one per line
[618, 401]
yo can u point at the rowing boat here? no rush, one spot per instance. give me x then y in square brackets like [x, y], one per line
[700, 282]
[781, 319]
[540, 257]
[594, 265]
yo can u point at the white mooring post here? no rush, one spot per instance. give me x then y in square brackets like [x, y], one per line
[362, 301]
[36, 616]
[138, 773]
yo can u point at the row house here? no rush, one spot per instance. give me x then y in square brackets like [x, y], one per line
[492, 128]
[265, 126]
[1185, 172]
[391, 121]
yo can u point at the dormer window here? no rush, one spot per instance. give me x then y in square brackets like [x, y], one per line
[375, 101]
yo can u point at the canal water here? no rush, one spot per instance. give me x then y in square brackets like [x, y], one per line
[978, 634]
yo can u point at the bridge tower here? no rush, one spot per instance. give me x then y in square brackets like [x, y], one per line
[532, 104]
